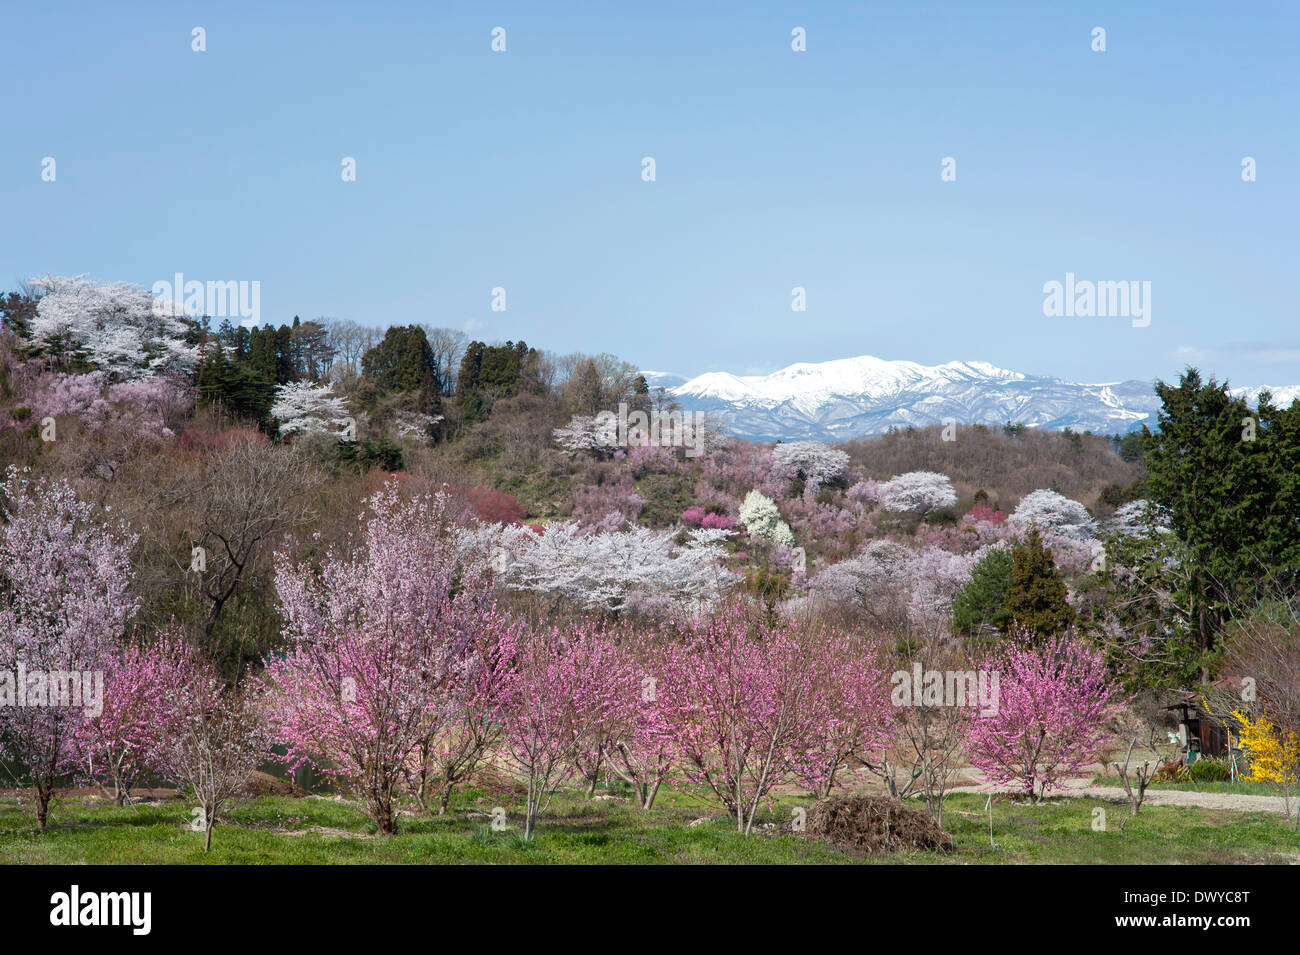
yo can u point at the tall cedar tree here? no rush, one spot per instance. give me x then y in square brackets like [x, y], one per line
[982, 603]
[1037, 598]
[489, 373]
[1231, 477]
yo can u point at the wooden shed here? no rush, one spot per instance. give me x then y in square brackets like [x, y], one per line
[1198, 731]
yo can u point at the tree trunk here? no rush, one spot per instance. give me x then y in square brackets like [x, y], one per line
[446, 798]
[207, 835]
[42, 807]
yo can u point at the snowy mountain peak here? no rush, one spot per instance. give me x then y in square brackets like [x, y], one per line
[853, 397]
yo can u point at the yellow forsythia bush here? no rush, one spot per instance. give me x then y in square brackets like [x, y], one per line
[1274, 753]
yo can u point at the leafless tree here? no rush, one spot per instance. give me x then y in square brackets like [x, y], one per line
[220, 741]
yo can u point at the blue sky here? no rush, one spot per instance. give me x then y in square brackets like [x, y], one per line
[775, 169]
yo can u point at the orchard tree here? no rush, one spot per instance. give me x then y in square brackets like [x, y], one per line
[744, 709]
[918, 492]
[217, 738]
[642, 752]
[561, 705]
[376, 637]
[121, 744]
[482, 689]
[65, 598]
[849, 705]
[1054, 701]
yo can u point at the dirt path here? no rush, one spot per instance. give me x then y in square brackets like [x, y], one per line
[1237, 802]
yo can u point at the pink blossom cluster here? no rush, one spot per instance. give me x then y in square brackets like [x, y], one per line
[697, 516]
[1054, 701]
[142, 406]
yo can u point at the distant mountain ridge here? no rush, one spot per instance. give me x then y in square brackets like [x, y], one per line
[850, 398]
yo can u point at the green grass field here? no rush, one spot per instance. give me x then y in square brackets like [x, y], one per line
[283, 830]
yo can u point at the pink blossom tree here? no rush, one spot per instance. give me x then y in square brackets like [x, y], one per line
[120, 744]
[65, 598]
[849, 707]
[743, 709]
[641, 750]
[376, 636]
[482, 688]
[1054, 702]
[562, 706]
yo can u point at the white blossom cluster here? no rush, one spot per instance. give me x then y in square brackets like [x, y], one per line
[119, 328]
[304, 408]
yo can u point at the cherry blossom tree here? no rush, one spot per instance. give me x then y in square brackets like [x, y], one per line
[613, 571]
[875, 584]
[376, 637]
[117, 328]
[936, 577]
[304, 408]
[121, 743]
[864, 494]
[1054, 702]
[562, 703]
[143, 407]
[1054, 514]
[597, 434]
[918, 492]
[743, 708]
[813, 461]
[1140, 518]
[65, 599]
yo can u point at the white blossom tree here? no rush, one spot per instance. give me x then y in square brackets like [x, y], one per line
[304, 408]
[1139, 518]
[595, 433]
[918, 492]
[1055, 514]
[760, 516]
[613, 571]
[815, 462]
[118, 328]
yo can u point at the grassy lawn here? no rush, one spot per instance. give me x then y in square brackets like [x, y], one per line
[283, 830]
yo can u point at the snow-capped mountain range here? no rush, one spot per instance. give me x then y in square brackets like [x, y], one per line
[854, 397]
